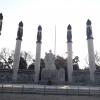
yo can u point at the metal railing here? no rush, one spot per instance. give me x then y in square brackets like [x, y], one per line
[49, 90]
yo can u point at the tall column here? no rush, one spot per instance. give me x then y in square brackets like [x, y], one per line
[38, 54]
[90, 50]
[69, 51]
[17, 51]
[1, 18]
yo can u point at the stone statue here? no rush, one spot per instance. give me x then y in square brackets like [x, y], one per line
[49, 60]
[89, 30]
[69, 34]
[39, 35]
[20, 31]
[1, 18]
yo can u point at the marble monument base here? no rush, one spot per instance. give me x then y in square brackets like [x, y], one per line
[51, 77]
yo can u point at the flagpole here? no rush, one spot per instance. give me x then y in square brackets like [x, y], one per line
[55, 42]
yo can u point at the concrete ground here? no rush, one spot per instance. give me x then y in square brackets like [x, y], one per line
[6, 96]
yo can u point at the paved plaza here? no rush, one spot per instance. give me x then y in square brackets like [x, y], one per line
[45, 97]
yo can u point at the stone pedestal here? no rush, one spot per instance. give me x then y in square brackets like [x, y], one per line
[49, 76]
[69, 61]
[37, 62]
[91, 59]
[53, 76]
[61, 75]
[16, 59]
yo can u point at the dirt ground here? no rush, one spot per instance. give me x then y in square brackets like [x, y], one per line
[45, 97]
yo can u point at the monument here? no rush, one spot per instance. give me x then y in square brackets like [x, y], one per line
[69, 51]
[49, 73]
[17, 51]
[1, 18]
[61, 75]
[90, 50]
[49, 61]
[38, 54]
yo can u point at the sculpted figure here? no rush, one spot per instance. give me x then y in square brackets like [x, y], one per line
[89, 30]
[1, 18]
[69, 34]
[89, 33]
[49, 60]
[20, 31]
[39, 35]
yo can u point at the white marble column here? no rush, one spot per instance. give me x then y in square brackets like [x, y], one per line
[38, 55]
[17, 51]
[69, 51]
[90, 51]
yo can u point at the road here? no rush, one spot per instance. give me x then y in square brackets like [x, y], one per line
[53, 89]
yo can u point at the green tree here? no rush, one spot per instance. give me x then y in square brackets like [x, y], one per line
[97, 61]
[60, 62]
[6, 58]
[22, 63]
[31, 66]
[75, 63]
[27, 56]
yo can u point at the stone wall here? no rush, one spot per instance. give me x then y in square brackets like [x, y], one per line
[97, 77]
[83, 77]
[27, 76]
[5, 75]
[24, 76]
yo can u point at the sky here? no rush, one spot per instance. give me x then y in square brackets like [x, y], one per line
[48, 14]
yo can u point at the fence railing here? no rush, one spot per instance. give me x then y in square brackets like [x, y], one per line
[49, 90]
